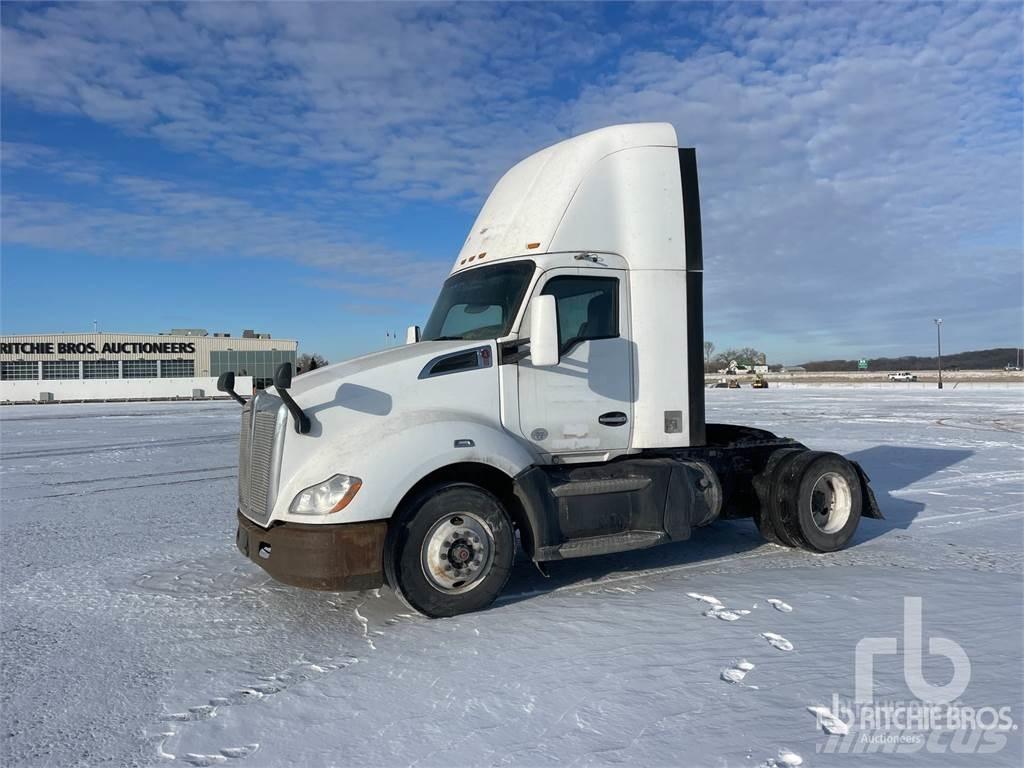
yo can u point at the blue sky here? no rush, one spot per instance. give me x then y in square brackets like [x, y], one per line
[312, 170]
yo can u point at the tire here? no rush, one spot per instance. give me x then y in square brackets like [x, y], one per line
[818, 501]
[766, 485]
[766, 528]
[451, 550]
[777, 494]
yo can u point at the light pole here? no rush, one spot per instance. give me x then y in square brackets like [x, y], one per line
[938, 337]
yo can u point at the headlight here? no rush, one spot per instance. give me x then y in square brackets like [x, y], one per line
[332, 495]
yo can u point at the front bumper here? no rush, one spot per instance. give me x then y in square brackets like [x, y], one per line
[336, 558]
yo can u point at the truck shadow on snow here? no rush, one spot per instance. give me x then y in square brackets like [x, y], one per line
[892, 468]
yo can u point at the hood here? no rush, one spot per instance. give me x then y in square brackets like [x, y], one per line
[306, 386]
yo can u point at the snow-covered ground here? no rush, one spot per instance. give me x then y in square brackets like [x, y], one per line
[135, 634]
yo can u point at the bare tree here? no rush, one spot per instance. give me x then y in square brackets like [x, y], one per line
[309, 361]
[709, 350]
[742, 356]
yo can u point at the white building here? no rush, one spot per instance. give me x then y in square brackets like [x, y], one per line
[116, 366]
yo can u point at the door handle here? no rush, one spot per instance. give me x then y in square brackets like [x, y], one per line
[613, 419]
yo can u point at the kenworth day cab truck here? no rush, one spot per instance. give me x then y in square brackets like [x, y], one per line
[556, 392]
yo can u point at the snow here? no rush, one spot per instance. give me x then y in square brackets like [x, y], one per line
[134, 634]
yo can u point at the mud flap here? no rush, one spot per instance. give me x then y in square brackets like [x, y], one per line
[870, 506]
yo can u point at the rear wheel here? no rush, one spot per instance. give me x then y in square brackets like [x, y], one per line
[817, 501]
[451, 550]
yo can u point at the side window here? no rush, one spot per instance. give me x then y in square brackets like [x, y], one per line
[588, 308]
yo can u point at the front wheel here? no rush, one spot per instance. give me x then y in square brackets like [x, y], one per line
[451, 550]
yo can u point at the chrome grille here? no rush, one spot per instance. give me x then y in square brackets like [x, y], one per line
[261, 459]
[244, 446]
[259, 453]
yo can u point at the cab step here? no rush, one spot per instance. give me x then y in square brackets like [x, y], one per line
[600, 486]
[611, 542]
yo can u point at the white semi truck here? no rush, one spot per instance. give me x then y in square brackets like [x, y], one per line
[554, 397]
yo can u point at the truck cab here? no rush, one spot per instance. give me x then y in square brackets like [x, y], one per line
[554, 398]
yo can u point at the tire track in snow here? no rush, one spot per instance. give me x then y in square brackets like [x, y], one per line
[173, 473]
[984, 425]
[177, 442]
[155, 414]
[132, 487]
[767, 550]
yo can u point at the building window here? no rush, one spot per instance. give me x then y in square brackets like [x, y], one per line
[60, 369]
[258, 364]
[19, 370]
[101, 369]
[176, 369]
[139, 369]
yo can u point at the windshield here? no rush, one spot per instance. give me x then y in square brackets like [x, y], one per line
[479, 303]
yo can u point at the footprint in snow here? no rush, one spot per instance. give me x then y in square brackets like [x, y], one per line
[202, 712]
[401, 618]
[779, 605]
[726, 614]
[786, 759]
[228, 753]
[736, 673]
[710, 599]
[717, 610]
[299, 672]
[237, 752]
[829, 723]
[777, 641]
[203, 760]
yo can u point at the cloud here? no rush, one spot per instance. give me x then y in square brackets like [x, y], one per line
[847, 163]
[385, 92]
[144, 218]
[860, 163]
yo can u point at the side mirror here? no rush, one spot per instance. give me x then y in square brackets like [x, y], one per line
[283, 376]
[226, 383]
[412, 334]
[544, 332]
[283, 381]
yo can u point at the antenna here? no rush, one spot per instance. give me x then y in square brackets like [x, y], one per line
[95, 326]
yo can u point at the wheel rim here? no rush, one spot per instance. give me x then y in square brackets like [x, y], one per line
[457, 553]
[831, 502]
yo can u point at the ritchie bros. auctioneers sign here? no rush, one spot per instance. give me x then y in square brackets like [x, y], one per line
[89, 348]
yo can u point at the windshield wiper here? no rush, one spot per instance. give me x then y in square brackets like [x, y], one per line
[447, 338]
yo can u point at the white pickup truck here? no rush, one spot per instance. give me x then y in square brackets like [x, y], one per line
[554, 397]
[902, 376]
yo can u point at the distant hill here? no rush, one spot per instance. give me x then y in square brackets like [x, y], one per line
[979, 360]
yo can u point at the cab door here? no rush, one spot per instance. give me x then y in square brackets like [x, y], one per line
[582, 408]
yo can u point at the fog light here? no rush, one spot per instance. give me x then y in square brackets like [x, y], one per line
[332, 495]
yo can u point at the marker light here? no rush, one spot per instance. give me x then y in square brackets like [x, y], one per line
[332, 495]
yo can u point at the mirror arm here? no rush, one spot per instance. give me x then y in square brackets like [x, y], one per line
[302, 424]
[282, 381]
